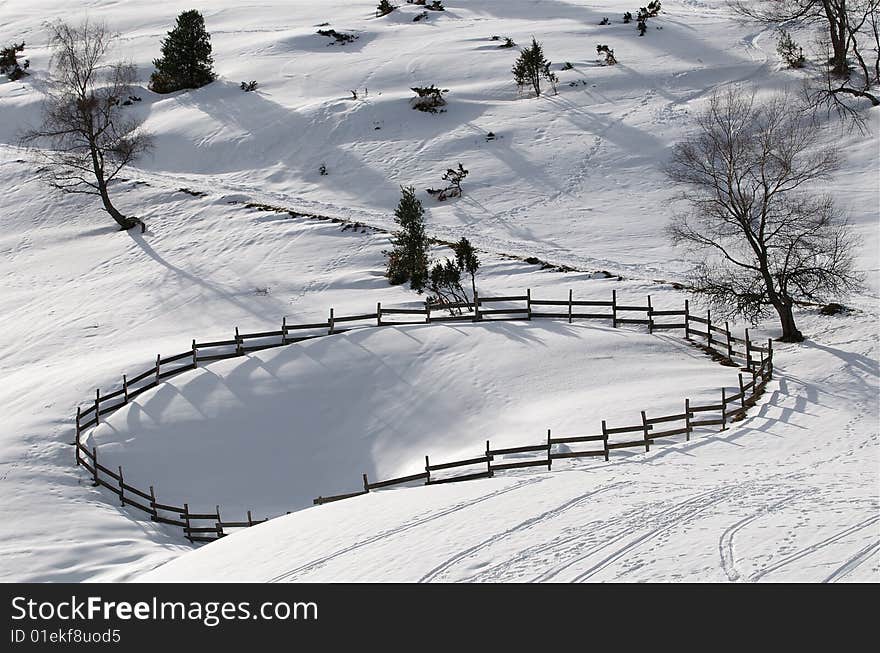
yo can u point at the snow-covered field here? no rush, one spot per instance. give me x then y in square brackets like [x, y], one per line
[790, 493]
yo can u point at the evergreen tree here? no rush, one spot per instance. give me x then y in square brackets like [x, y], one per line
[532, 67]
[186, 60]
[467, 261]
[408, 260]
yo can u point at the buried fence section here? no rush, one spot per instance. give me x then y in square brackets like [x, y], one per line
[753, 359]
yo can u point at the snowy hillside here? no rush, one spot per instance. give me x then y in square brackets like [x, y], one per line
[790, 493]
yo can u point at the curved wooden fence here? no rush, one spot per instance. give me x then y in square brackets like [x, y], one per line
[754, 360]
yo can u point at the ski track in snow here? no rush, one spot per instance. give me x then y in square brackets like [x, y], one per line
[538, 520]
[726, 541]
[291, 574]
[814, 548]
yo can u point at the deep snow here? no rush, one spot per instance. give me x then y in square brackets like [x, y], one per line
[790, 493]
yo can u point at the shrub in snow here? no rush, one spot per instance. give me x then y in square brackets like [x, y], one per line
[567, 66]
[421, 16]
[339, 37]
[644, 14]
[436, 5]
[531, 67]
[792, 54]
[454, 176]
[609, 54]
[627, 17]
[445, 285]
[605, 21]
[508, 43]
[408, 260]
[9, 65]
[186, 60]
[428, 98]
[384, 8]
[249, 86]
[322, 170]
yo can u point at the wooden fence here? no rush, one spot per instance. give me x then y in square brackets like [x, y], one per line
[754, 360]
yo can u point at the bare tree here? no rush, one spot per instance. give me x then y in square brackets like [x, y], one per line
[833, 15]
[849, 26]
[87, 136]
[836, 92]
[765, 243]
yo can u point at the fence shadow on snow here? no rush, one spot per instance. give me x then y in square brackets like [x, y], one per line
[755, 361]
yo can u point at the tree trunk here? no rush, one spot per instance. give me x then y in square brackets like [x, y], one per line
[790, 332]
[124, 222]
[837, 24]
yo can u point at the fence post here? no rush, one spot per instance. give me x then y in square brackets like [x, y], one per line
[645, 429]
[95, 466]
[605, 439]
[569, 305]
[366, 483]
[121, 488]
[755, 376]
[427, 312]
[723, 409]
[250, 519]
[613, 312]
[742, 391]
[687, 419]
[185, 516]
[476, 307]
[155, 514]
[76, 435]
[195, 362]
[770, 356]
[284, 330]
[549, 446]
[729, 345]
[428, 471]
[238, 343]
[158, 364]
[378, 313]
[748, 351]
[650, 316]
[97, 406]
[687, 326]
[125, 388]
[330, 323]
[528, 303]
[220, 532]
[709, 327]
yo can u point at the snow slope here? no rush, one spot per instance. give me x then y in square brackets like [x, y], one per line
[791, 493]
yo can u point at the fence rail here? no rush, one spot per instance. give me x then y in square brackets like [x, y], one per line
[753, 359]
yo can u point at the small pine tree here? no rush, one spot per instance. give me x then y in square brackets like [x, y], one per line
[467, 260]
[445, 284]
[186, 60]
[531, 67]
[792, 54]
[610, 59]
[408, 260]
[9, 65]
[384, 8]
